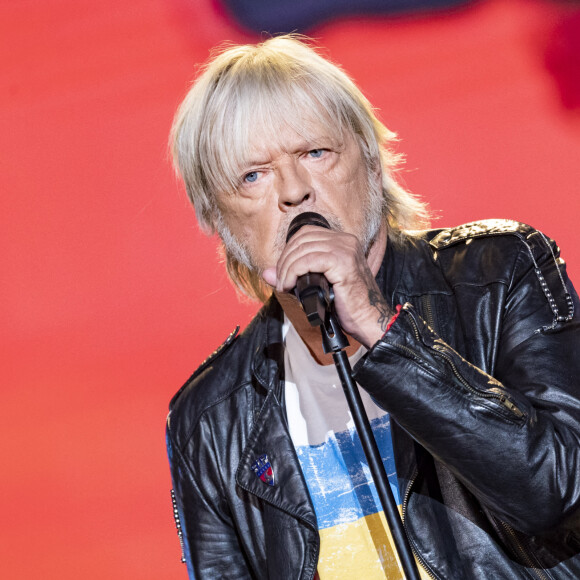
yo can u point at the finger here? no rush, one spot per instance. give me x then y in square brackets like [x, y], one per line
[309, 254]
[269, 276]
[307, 239]
[298, 265]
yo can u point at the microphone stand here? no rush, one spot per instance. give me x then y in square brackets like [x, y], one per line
[317, 302]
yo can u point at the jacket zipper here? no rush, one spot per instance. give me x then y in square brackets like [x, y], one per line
[526, 556]
[502, 399]
[178, 526]
[428, 310]
[418, 557]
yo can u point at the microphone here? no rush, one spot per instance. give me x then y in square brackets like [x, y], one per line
[312, 289]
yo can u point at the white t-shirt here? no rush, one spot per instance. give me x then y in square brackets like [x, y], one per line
[354, 535]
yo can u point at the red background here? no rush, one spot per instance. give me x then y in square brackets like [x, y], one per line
[110, 296]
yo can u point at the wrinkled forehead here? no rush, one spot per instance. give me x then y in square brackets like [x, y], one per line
[264, 121]
[277, 125]
[287, 134]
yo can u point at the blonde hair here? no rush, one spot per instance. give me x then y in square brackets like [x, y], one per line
[253, 89]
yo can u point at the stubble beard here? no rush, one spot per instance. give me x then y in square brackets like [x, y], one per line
[239, 250]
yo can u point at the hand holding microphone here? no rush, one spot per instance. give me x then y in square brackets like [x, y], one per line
[328, 266]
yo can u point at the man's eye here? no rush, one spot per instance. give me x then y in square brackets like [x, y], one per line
[251, 177]
[316, 153]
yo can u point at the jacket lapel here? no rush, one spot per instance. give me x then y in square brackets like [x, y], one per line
[270, 438]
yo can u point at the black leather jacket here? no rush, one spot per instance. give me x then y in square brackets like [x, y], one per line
[480, 374]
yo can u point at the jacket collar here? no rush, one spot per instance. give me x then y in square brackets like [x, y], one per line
[411, 268]
[267, 363]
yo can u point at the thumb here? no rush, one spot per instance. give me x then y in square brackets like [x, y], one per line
[269, 275]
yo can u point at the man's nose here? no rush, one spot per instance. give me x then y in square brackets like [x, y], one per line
[294, 185]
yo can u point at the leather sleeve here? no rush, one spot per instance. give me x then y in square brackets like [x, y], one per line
[512, 439]
[204, 518]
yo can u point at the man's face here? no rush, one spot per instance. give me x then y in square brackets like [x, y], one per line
[322, 173]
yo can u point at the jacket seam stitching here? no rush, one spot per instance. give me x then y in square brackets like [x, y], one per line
[209, 406]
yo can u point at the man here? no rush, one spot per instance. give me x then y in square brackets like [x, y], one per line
[464, 342]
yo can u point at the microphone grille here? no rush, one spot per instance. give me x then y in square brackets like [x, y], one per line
[307, 218]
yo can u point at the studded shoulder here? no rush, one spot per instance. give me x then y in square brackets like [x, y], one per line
[479, 229]
[540, 249]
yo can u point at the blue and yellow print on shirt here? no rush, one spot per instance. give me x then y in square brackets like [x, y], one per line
[355, 541]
